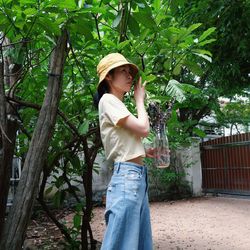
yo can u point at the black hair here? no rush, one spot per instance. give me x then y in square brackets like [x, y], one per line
[102, 89]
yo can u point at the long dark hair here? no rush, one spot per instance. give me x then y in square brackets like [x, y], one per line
[102, 89]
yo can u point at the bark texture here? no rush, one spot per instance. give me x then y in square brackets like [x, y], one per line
[18, 219]
[8, 130]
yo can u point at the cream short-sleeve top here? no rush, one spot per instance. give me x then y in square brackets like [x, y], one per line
[120, 144]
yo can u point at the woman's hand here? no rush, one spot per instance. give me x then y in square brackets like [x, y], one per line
[138, 125]
[150, 152]
[139, 91]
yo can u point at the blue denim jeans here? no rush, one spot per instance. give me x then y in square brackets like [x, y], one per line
[127, 209]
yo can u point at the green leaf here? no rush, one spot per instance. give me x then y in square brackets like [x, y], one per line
[199, 132]
[157, 5]
[48, 190]
[208, 58]
[150, 78]
[81, 3]
[109, 42]
[203, 52]
[145, 19]
[75, 161]
[188, 88]
[83, 129]
[97, 10]
[59, 198]
[174, 90]
[79, 207]
[77, 221]
[206, 33]
[117, 20]
[25, 2]
[194, 27]
[59, 181]
[177, 69]
[167, 64]
[144, 34]
[133, 26]
[69, 4]
[123, 44]
[194, 67]
[48, 25]
[30, 11]
[51, 39]
[83, 26]
[207, 42]
[178, 90]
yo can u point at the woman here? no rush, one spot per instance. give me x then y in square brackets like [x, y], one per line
[127, 209]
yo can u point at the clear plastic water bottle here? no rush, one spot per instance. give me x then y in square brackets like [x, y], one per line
[161, 148]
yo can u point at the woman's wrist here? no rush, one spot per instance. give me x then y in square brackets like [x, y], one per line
[139, 101]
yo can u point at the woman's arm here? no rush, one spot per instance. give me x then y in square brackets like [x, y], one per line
[139, 125]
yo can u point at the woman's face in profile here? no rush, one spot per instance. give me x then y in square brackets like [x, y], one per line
[121, 80]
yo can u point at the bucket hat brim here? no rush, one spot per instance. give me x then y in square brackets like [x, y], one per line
[112, 61]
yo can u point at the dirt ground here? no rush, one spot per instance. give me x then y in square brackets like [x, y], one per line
[207, 223]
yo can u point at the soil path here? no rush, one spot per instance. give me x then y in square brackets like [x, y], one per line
[207, 223]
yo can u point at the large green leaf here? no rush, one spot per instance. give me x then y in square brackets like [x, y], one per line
[133, 26]
[83, 26]
[206, 33]
[175, 90]
[194, 26]
[194, 67]
[208, 58]
[117, 20]
[179, 90]
[145, 19]
[207, 42]
[202, 51]
[48, 25]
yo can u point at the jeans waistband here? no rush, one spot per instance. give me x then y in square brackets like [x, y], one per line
[118, 166]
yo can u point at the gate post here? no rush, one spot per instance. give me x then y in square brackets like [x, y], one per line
[191, 163]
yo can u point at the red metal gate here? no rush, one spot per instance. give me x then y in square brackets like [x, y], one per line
[226, 164]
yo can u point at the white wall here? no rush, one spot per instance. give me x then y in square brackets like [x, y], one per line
[189, 159]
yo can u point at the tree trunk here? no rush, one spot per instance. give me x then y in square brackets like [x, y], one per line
[18, 219]
[89, 156]
[3, 134]
[8, 129]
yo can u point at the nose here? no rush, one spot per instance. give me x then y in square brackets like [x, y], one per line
[129, 76]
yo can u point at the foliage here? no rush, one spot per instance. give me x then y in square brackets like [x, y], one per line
[235, 113]
[229, 72]
[172, 52]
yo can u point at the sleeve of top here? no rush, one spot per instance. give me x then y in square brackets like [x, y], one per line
[114, 109]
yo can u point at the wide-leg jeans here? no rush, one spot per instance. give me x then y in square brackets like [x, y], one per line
[127, 213]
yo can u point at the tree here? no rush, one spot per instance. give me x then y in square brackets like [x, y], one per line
[229, 72]
[233, 114]
[17, 222]
[169, 55]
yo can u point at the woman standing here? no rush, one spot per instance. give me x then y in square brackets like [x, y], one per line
[127, 210]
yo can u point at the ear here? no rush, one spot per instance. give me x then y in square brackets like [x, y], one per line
[108, 77]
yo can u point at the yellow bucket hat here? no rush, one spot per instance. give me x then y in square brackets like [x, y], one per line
[112, 61]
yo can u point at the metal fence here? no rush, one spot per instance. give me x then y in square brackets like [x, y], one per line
[226, 164]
